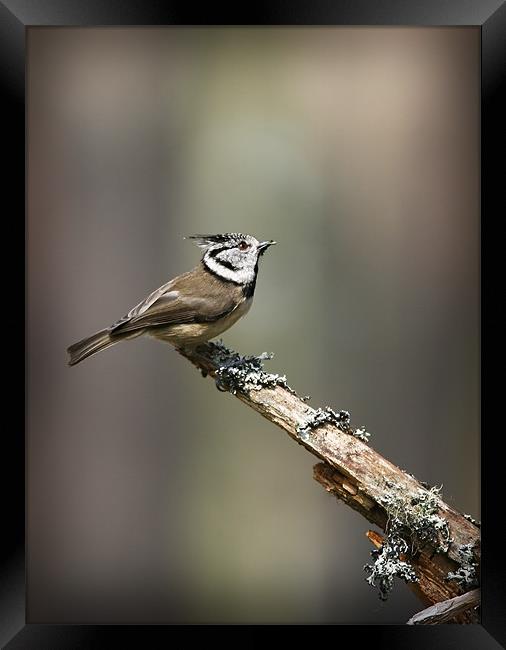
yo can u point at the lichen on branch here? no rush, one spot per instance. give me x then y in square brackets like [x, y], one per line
[327, 415]
[466, 574]
[388, 565]
[243, 373]
[413, 522]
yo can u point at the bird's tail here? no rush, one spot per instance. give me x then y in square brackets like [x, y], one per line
[95, 343]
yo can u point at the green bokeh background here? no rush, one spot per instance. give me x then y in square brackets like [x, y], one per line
[151, 496]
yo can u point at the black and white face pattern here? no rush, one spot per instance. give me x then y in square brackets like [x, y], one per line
[232, 256]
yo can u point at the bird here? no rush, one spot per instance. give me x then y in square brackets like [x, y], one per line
[193, 307]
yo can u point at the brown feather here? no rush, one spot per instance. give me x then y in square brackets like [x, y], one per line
[198, 296]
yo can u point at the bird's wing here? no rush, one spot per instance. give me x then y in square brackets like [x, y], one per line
[144, 305]
[196, 296]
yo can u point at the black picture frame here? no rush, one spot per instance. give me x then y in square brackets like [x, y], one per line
[15, 17]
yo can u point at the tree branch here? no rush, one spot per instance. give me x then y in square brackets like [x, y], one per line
[352, 471]
[447, 610]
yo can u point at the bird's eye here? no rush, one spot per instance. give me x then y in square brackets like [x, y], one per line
[243, 245]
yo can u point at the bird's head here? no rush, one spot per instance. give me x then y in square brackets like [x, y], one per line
[232, 256]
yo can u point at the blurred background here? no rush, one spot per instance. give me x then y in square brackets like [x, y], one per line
[151, 496]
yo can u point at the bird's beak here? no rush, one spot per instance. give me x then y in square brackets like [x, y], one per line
[264, 245]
